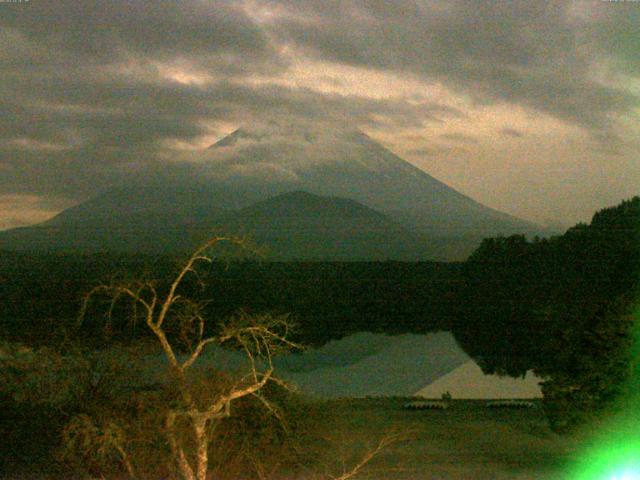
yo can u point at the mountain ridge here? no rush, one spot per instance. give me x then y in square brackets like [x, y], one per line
[291, 226]
[252, 166]
[300, 225]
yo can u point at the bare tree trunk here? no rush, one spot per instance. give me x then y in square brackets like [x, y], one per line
[178, 453]
[200, 427]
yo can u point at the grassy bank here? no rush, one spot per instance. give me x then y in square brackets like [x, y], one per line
[466, 441]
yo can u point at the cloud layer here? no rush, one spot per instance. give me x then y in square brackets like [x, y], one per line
[94, 92]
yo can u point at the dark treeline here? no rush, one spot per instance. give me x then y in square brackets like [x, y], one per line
[40, 294]
[563, 307]
[330, 300]
[325, 299]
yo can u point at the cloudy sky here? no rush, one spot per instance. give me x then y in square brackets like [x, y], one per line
[530, 107]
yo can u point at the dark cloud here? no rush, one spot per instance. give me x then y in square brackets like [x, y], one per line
[512, 132]
[107, 126]
[529, 53]
[85, 100]
[218, 34]
[129, 108]
[87, 103]
[614, 34]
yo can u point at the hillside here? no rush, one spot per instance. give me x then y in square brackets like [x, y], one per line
[295, 225]
[300, 225]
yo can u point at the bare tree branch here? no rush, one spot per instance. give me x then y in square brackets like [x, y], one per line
[196, 353]
[259, 337]
[197, 256]
[388, 439]
[177, 450]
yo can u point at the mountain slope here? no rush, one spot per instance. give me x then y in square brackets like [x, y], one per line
[299, 225]
[350, 164]
[295, 225]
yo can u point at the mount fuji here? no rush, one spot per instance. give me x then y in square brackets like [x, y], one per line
[335, 193]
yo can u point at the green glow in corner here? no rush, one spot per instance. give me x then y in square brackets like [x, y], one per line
[615, 454]
[627, 475]
[610, 461]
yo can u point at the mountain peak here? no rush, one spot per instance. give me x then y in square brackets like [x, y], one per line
[299, 132]
[234, 137]
[342, 161]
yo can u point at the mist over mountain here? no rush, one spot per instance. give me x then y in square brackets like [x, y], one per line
[301, 192]
[348, 163]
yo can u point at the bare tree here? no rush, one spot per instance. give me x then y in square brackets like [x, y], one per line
[383, 443]
[259, 337]
[345, 455]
